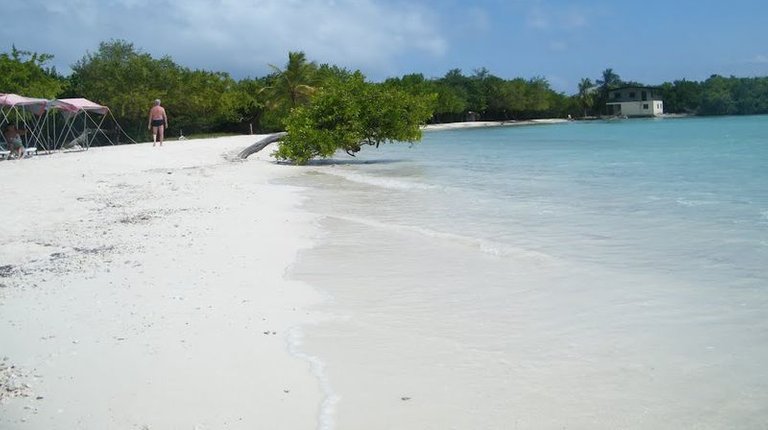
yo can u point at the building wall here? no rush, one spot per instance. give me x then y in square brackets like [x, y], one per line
[641, 108]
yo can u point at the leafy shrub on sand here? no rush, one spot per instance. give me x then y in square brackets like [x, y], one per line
[347, 114]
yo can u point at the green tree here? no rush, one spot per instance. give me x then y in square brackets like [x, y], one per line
[289, 87]
[415, 84]
[327, 72]
[586, 95]
[347, 114]
[453, 96]
[717, 98]
[450, 104]
[244, 104]
[682, 96]
[609, 81]
[123, 78]
[25, 73]
[538, 96]
[514, 94]
[479, 90]
[201, 101]
[127, 80]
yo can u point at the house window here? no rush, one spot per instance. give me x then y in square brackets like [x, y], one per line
[632, 95]
[644, 95]
[645, 105]
[617, 95]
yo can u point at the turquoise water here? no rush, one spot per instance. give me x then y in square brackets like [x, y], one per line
[577, 275]
[688, 196]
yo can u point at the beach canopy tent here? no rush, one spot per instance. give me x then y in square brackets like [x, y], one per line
[26, 113]
[82, 122]
[60, 123]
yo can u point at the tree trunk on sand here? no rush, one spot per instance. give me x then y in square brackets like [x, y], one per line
[261, 144]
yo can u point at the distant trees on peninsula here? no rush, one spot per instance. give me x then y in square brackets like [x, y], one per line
[126, 79]
[717, 95]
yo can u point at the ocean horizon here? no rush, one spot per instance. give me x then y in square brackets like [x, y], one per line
[577, 275]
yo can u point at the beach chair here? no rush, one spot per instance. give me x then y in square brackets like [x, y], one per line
[80, 142]
[30, 150]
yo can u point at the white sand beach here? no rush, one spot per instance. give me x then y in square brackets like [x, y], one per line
[144, 288]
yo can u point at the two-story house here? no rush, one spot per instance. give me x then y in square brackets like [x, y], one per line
[635, 101]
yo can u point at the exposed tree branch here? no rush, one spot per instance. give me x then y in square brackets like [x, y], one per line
[261, 144]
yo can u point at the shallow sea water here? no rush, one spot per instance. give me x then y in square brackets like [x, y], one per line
[580, 275]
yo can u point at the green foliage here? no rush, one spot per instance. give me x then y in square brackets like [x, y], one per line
[24, 73]
[243, 104]
[450, 103]
[201, 101]
[609, 81]
[489, 97]
[346, 114]
[586, 95]
[127, 80]
[289, 87]
[717, 95]
[119, 77]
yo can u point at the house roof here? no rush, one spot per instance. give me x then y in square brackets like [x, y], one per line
[635, 87]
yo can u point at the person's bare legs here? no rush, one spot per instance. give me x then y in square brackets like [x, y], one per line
[157, 130]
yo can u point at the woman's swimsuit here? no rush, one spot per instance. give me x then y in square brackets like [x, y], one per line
[15, 143]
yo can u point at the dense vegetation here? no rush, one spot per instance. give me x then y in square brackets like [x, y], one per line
[301, 96]
[24, 73]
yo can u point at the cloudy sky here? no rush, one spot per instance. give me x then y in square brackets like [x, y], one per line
[649, 41]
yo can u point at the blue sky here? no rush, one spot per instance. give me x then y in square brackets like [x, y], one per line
[650, 41]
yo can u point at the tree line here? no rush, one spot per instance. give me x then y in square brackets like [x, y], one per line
[126, 79]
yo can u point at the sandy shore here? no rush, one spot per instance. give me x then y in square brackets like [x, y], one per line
[144, 288]
[481, 124]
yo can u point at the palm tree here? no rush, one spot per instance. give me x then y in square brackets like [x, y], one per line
[586, 94]
[610, 81]
[293, 85]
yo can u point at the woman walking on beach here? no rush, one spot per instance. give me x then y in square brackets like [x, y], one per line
[158, 122]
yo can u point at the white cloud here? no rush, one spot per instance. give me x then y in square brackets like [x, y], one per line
[538, 19]
[478, 20]
[238, 36]
[759, 59]
[542, 17]
[558, 46]
[575, 18]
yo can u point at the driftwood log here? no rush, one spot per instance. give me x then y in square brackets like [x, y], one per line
[261, 144]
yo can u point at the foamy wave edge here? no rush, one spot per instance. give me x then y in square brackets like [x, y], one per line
[486, 246]
[389, 183]
[330, 398]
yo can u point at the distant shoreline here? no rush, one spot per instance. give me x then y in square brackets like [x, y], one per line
[481, 124]
[511, 123]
